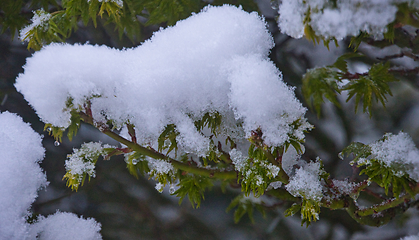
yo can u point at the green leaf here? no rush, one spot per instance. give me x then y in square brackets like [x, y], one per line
[320, 83]
[212, 120]
[136, 163]
[374, 85]
[359, 150]
[56, 132]
[194, 187]
[167, 139]
[295, 208]
[75, 123]
[341, 63]
[245, 205]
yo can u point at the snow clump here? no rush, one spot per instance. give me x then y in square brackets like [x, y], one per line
[20, 179]
[214, 61]
[399, 153]
[20, 174]
[345, 18]
[306, 182]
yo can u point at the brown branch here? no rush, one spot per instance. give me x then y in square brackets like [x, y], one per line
[400, 55]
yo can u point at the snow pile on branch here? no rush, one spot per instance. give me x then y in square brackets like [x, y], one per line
[340, 19]
[214, 61]
[399, 153]
[306, 182]
[20, 179]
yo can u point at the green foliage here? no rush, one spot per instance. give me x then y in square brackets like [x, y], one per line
[11, 18]
[167, 139]
[136, 164]
[359, 150]
[88, 157]
[245, 205]
[386, 176]
[194, 187]
[375, 84]
[377, 171]
[170, 11]
[309, 211]
[75, 122]
[320, 83]
[257, 172]
[212, 120]
[292, 140]
[56, 132]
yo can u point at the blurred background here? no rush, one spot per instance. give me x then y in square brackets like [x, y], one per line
[130, 208]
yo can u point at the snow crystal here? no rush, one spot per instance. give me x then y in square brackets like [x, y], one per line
[67, 226]
[159, 187]
[274, 185]
[20, 174]
[306, 182]
[399, 153]
[214, 61]
[238, 160]
[40, 18]
[159, 166]
[272, 169]
[83, 159]
[347, 18]
[344, 187]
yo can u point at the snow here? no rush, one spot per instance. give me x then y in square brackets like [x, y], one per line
[347, 18]
[40, 19]
[306, 182]
[399, 153]
[20, 174]
[214, 61]
[67, 226]
[80, 162]
[158, 166]
[239, 161]
[20, 179]
[410, 237]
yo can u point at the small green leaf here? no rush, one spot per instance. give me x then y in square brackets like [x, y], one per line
[193, 186]
[320, 83]
[374, 85]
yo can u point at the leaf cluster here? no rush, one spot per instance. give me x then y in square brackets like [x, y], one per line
[87, 156]
[327, 82]
[167, 139]
[193, 186]
[136, 164]
[245, 205]
[374, 85]
[378, 172]
[309, 211]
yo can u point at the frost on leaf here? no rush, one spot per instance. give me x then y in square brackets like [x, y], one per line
[399, 153]
[39, 20]
[82, 163]
[306, 182]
